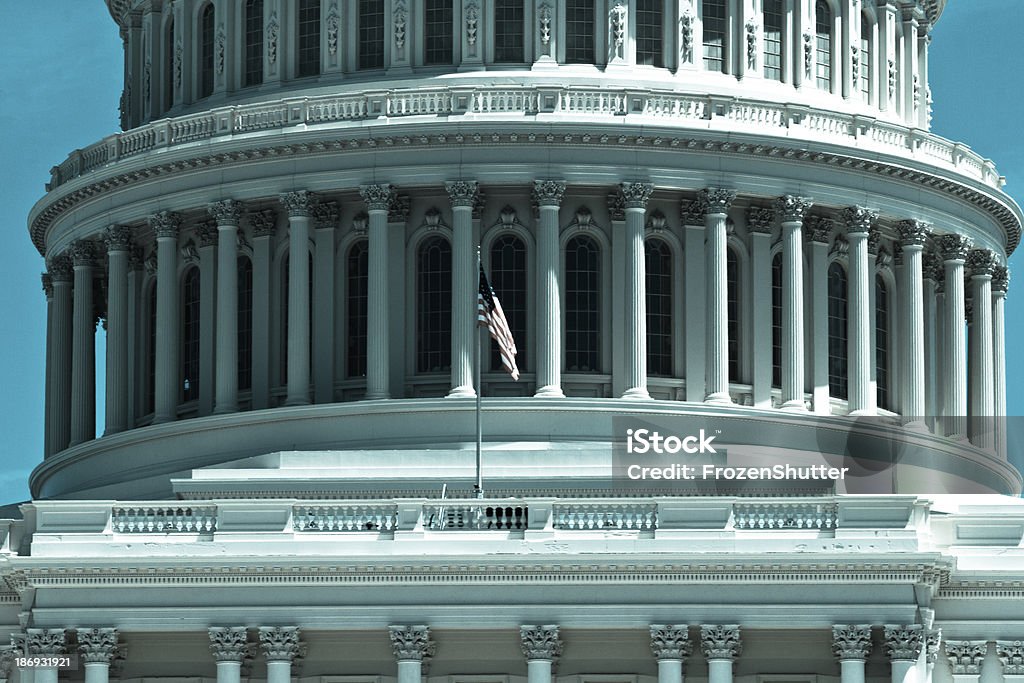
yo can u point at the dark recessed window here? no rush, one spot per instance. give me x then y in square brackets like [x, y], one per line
[579, 32]
[865, 60]
[837, 332]
[309, 38]
[658, 258]
[823, 28]
[649, 22]
[190, 336]
[244, 323]
[732, 269]
[358, 269]
[253, 42]
[773, 39]
[206, 28]
[437, 32]
[777, 320]
[714, 35]
[508, 31]
[151, 356]
[582, 305]
[169, 66]
[882, 341]
[508, 278]
[434, 306]
[371, 34]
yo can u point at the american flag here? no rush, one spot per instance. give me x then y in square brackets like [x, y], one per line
[490, 315]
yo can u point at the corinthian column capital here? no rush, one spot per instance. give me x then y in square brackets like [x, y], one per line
[98, 644]
[1011, 654]
[281, 643]
[635, 195]
[462, 192]
[229, 644]
[540, 642]
[46, 642]
[851, 641]
[377, 197]
[60, 268]
[720, 641]
[299, 204]
[981, 262]
[716, 200]
[965, 656]
[165, 224]
[548, 192]
[791, 209]
[670, 642]
[411, 642]
[859, 218]
[1000, 279]
[225, 212]
[954, 247]
[914, 233]
[83, 253]
[117, 238]
[904, 642]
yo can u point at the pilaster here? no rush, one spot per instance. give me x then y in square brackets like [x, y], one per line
[819, 230]
[965, 659]
[1011, 656]
[326, 223]
[693, 220]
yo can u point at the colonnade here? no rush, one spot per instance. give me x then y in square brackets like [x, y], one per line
[911, 650]
[930, 273]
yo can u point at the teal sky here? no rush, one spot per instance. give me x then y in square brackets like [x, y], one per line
[60, 85]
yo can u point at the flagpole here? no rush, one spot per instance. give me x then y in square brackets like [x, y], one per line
[479, 486]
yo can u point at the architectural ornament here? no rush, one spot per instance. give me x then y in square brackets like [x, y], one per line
[47, 281]
[751, 44]
[507, 217]
[1000, 279]
[61, 269]
[851, 641]
[299, 203]
[969, 310]
[932, 267]
[932, 639]
[135, 260]
[955, 247]
[686, 37]
[855, 63]
[376, 197]
[656, 221]
[819, 228]
[221, 49]
[548, 192]
[981, 262]
[616, 206]
[892, 79]
[720, 641]
[691, 213]
[635, 195]
[147, 76]
[398, 208]
[98, 644]
[897, 253]
[904, 641]
[83, 253]
[46, 642]
[225, 212]
[792, 209]
[1011, 654]
[332, 30]
[913, 233]
[150, 263]
[117, 238]
[411, 642]
[670, 642]
[165, 224]
[883, 259]
[917, 92]
[361, 222]
[472, 17]
[859, 218]
[177, 65]
[462, 192]
[544, 15]
[874, 242]
[326, 215]
[7, 654]
[478, 204]
[229, 644]
[617, 25]
[272, 31]
[401, 18]
[965, 656]
[760, 220]
[432, 219]
[541, 642]
[808, 55]
[263, 222]
[716, 201]
[281, 643]
[206, 233]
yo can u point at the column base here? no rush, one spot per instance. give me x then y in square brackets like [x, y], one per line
[225, 410]
[462, 392]
[862, 412]
[376, 396]
[637, 394]
[719, 398]
[298, 401]
[550, 391]
[794, 406]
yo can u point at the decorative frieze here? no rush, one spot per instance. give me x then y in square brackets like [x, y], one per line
[98, 645]
[46, 642]
[851, 641]
[966, 656]
[300, 203]
[1000, 279]
[263, 222]
[819, 229]
[326, 215]
[229, 644]
[791, 209]
[670, 642]
[720, 641]
[411, 642]
[616, 206]
[635, 195]
[377, 197]
[904, 641]
[462, 192]
[117, 238]
[716, 200]
[206, 233]
[859, 219]
[281, 643]
[548, 192]
[760, 220]
[165, 224]
[981, 262]
[1011, 654]
[541, 642]
[955, 247]
[225, 212]
[398, 208]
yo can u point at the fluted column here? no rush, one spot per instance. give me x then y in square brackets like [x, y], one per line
[165, 383]
[635, 196]
[230, 648]
[59, 412]
[46, 642]
[941, 348]
[692, 217]
[227, 213]
[281, 646]
[413, 648]
[716, 203]
[462, 194]
[49, 395]
[327, 214]
[759, 225]
[83, 353]
[1000, 284]
[903, 645]
[118, 242]
[913, 235]
[548, 196]
[1011, 656]
[912, 86]
[721, 646]
[932, 273]
[671, 646]
[965, 659]
[982, 263]
[954, 254]
[99, 649]
[819, 231]
[300, 214]
[792, 210]
[377, 199]
[264, 225]
[859, 221]
[542, 647]
[206, 233]
[851, 645]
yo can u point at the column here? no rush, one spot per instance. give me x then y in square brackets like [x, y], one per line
[858, 225]
[300, 207]
[982, 264]
[49, 396]
[671, 646]
[820, 232]
[913, 235]
[851, 645]
[759, 225]
[548, 196]
[692, 216]
[954, 254]
[941, 348]
[230, 648]
[227, 214]
[932, 639]
[903, 644]
[7, 654]
[886, 53]
[264, 225]
[207, 235]
[932, 273]
[542, 647]
[1011, 655]
[46, 642]
[59, 412]
[99, 648]
[1000, 283]
[118, 242]
[377, 199]
[716, 203]
[83, 350]
[413, 648]
[965, 659]
[323, 302]
[876, 259]
[166, 390]
[791, 210]
[721, 646]
[462, 194]
[849, 47]
[911, 80]
[281, 646]
[635, 336]
[924, 116]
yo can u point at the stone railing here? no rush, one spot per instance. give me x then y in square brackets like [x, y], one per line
[796, 515]
[198, 519]
[598, 516]
[651, 107]
[475, 517]
[371, 517]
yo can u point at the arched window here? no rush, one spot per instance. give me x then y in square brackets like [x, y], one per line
[777, 320]
[244, 323]
[206, 28]
[151, 351]
[579, 32]
[434, 306]
[190, 335]
[649, 22]
[285, 279]
[773, 28]
[714, 35]
[882, 341]
[169, 66]
[732, 269]
[837, 331]
[823, 29]
[658, 257]
[582, 305]
[508, 31]
[508, 278]
[357, 276]
[437, 32]
[371, 34]
[865, 60]
[308, 26]
[253, 42]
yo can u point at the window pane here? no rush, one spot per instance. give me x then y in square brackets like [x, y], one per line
[206, 52]
[773, 39]
[356, 292]
[777, 320]
[508, 31]
[371, 34]
[837, 332]
[508, 279]
[659, 307]
[190, 336]
[253, 42]
[714, 35]
[434, 306]
[649, 33]
[733, 301]
[865, 60]
[882, 341]
[244, 323]
[579, 32]
[309, 38]
[582, 305]
[437, 23]
[824, 46]
[169, 66]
